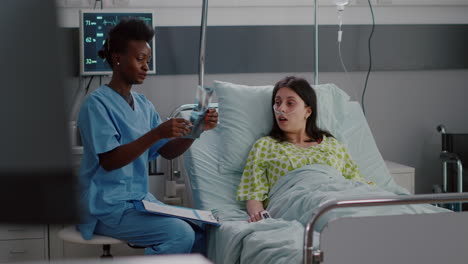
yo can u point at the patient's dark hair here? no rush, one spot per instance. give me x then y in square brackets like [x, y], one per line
[307, 94]
[119, 36]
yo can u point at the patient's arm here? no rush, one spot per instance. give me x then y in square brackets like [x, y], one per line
[254, 208]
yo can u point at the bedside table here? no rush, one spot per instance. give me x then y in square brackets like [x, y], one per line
[402, 174]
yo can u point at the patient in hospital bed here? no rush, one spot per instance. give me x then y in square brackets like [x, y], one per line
[241, 158]
[295, 140]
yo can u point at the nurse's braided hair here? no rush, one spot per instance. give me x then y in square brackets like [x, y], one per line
[308, 95]
[119, 36]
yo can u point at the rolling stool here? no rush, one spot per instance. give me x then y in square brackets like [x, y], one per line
[70, 234]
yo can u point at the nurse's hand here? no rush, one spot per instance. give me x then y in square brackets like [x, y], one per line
[174, 128]
[211, 119]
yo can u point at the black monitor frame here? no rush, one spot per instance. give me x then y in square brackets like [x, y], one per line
[91, 39]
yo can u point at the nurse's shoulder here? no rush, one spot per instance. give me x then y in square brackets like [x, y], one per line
[101, 94]
[142, 99]
[96, 102]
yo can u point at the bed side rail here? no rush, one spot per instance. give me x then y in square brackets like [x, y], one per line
[171, 184]
[314, 255]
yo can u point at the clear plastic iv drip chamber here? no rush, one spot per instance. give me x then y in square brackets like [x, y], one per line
[340, 23]
[340, 5]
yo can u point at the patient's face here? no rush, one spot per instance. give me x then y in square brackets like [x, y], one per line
[290, 111]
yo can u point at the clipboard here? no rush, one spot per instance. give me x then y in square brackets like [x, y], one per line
[203, 216]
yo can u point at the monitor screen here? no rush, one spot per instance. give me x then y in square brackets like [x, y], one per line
[94, 26]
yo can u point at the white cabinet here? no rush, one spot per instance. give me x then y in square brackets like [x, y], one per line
[23, 243]
[402, 174]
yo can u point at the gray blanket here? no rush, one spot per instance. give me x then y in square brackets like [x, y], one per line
[292, 201]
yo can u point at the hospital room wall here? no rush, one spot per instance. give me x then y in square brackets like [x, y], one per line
[404, 101]
[403, 108]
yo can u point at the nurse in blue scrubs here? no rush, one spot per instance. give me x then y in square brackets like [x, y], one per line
[121, 131]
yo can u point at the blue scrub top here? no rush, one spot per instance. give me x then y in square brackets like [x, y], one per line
[107, 121]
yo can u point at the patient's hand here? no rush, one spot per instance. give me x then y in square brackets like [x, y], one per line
[253, 209]
[211, 119]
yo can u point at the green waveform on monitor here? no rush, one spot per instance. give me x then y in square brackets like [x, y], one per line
[115, 20]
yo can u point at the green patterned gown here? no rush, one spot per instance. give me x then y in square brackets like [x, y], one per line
[268, 160]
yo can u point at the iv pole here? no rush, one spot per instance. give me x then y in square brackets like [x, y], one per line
[316, 44]
[201, 65]
[171, 185]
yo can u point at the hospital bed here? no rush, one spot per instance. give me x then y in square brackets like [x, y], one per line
[213, 168]
[321, 219]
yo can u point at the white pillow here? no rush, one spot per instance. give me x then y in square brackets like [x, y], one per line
[245, 115]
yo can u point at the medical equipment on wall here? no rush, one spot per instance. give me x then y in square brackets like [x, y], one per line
[94, 25]
[94, 28]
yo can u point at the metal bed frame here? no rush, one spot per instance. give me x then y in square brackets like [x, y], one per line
[315, 255]
[173, 173]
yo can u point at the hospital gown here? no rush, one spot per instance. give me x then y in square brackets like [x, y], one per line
[269, 159]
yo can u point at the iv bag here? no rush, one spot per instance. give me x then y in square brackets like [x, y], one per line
[202, 101]
[340, 4]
